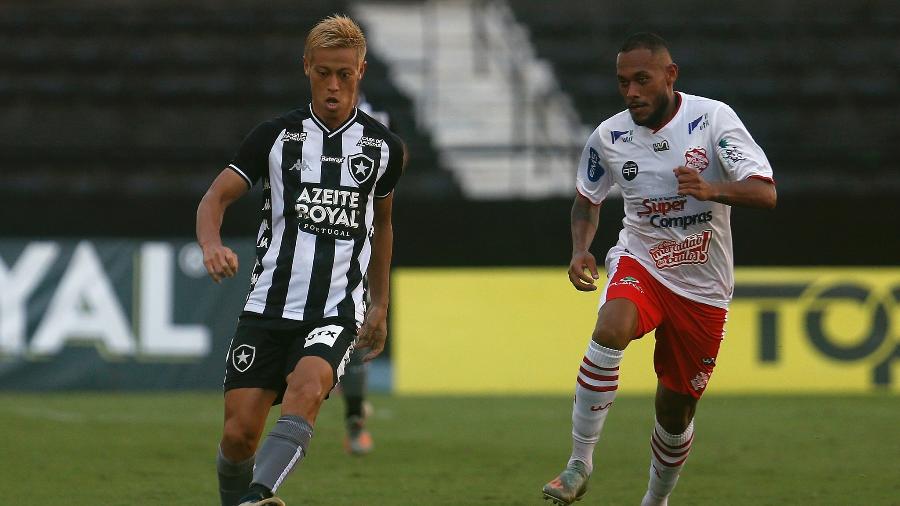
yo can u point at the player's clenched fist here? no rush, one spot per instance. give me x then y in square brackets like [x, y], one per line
[583, 271]
[690, 183]
[220, 262]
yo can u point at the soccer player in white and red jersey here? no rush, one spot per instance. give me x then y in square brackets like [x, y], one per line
[681, 162]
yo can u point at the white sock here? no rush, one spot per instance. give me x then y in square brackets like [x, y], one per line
[598, 380]
[668, 452]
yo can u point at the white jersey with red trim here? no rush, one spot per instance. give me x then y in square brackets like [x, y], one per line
[683, 242]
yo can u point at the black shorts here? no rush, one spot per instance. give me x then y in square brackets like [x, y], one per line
[264, 351]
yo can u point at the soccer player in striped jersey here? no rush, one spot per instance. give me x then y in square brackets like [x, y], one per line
[681, 162]
[328, 172]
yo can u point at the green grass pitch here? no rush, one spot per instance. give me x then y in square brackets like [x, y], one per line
[149, 449]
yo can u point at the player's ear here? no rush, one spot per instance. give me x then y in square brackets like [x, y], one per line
[305, 66]
[362, 68]
[671, 73]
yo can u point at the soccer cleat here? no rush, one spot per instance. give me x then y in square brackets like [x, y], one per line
[262, 501]
[358, 440]
[569, 486]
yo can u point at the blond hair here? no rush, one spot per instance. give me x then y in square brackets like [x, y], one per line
[336, 31]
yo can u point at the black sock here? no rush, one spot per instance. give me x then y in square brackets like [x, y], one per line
[354, 406]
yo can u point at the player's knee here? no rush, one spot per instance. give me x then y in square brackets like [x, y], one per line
[238, 440]
[611, 337]
[306, 391]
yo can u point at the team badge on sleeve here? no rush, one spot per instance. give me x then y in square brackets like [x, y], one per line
[361, 167]
[242, 357]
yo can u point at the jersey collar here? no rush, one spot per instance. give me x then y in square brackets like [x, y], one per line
[331, 133]
[680, 100]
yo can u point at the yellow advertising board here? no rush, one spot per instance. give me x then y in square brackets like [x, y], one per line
[524, 330]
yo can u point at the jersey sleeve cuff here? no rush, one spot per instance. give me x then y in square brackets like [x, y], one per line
[386, 195]
[241, 173]
[761, 177]
[590, 199]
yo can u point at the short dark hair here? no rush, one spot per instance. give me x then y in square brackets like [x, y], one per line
[644, 40]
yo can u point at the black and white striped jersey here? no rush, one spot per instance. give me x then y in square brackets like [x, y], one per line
[319, 186]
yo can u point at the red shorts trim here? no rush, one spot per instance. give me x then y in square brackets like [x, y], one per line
[688, 333]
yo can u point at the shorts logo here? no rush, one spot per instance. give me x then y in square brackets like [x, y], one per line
[700, 381]
[326, 335]
[630, 281]
[708, 361]
[293, 136]
[694, 249]
[662, 145]
[242, 357]
[696, 158]
[360, 167]
[623, 135]
[594, 169]
[629, 170]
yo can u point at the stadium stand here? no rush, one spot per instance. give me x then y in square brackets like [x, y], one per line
[817, 83]
[148, 98]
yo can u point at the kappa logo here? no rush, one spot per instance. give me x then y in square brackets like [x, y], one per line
[662, 145]
[242, 357]
[293, 137]
[361, 167]
[623, 135]
[326, 335]
[696, 158]
[698, 124]
[370, 142]
[300, 165]
[594, 169]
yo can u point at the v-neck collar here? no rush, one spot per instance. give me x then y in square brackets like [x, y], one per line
[675, 115]
[321, 124]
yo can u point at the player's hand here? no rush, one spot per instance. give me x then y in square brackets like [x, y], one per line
[690, 183]
[583, 271]
[373, 332]
[220, 262]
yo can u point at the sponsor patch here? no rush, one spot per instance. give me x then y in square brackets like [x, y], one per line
[594, 169]
[370, 142]
[330, 212]
[326, 335]
[698, 124]
[361, 167]
[332, 159]
[242, 357]
[696, 158]
[694, 249]
[621, 135]
[629, 170]
[662, 145]
[293, 137]
[730, 153]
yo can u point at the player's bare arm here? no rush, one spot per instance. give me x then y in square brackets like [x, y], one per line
[220, 261]
[373, 332]
[583, 266]
[750, 192]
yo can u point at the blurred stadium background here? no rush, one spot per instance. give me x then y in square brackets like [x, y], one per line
[117, 114]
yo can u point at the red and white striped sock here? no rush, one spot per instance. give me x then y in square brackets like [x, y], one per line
[668, 452]
[598, 380]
